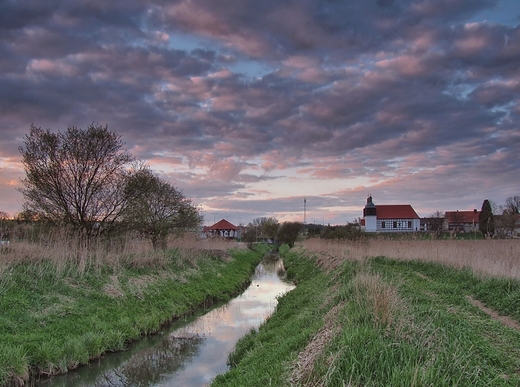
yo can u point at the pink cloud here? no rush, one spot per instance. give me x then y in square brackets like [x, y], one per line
[196, 18]
[225, 169]
[52, 67]
[278, 160]
[404, 64]
[471, 44]
[225, 102]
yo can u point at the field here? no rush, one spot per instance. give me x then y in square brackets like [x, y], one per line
[390, 313]
[364, 313]
[500, 258]
[63, 305]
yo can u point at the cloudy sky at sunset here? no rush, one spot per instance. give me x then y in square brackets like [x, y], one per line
[251, 106]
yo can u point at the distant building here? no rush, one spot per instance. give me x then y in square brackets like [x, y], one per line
[461, 221]
[222, 229]
[389, 218]
[432, 224]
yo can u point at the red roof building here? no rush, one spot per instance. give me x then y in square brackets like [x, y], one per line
[396, 211]
[390, 218]
[466, 221]
[223, 229]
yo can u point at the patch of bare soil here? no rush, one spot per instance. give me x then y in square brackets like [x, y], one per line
[506, 320]
[302, 369]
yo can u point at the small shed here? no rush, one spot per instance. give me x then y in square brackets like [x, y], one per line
[223, 229]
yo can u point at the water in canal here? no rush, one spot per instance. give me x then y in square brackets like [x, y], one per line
[190, 352]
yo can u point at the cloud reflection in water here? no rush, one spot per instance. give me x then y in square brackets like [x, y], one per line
[192, 354]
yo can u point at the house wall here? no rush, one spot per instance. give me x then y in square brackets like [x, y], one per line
[398, 225]
[370, 224]
[462, 227]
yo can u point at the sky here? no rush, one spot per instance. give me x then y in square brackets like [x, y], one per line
[250, 107]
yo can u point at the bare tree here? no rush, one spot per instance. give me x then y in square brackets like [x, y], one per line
[512, 205]
[158, 208]
[256, 226]
[250, 235]
[76, 177]
[436, 222]
[506, 222]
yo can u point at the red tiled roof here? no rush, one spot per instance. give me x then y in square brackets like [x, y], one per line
[223, 225]
[395, 211]
[462, 216]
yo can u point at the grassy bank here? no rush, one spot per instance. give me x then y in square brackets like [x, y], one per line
[58, 314]
[358, 321]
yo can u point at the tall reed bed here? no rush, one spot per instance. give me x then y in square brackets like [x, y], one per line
[499, 258]
[62, 250]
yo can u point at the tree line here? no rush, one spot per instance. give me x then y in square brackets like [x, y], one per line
[499, 220]
[494, 220]
[85, 180]
[266, 229]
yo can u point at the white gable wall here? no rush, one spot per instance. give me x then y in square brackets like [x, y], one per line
[370, 223]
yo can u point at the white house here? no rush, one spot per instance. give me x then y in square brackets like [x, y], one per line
[389, 218]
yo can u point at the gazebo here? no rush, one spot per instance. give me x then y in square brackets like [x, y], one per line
[223, 229]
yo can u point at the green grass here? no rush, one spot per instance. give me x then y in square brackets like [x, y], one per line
[398, 324]
[439, 338]
[258, 358]
[379, 322]
[53, 320]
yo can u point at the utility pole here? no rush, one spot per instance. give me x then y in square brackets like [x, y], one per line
[304, 211]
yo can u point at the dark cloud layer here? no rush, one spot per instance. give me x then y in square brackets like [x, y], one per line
[251, 106]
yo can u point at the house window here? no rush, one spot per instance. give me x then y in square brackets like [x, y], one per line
[409, 224]
[383, 224]
[395, 224]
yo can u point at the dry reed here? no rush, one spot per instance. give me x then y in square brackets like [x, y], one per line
[498, 258]
[379, 298]
[63, 251]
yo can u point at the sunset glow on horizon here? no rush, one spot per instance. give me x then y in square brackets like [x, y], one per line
[249, 107]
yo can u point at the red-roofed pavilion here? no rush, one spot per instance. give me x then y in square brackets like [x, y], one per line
[223, 229]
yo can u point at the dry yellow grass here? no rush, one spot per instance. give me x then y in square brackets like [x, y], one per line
[380, 298]
[62, 250]
[190, 245]
[500, 258]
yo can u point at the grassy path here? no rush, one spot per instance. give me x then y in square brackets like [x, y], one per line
[384, 323]
[52, 320]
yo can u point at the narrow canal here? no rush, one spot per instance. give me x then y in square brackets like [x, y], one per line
[190, 352]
